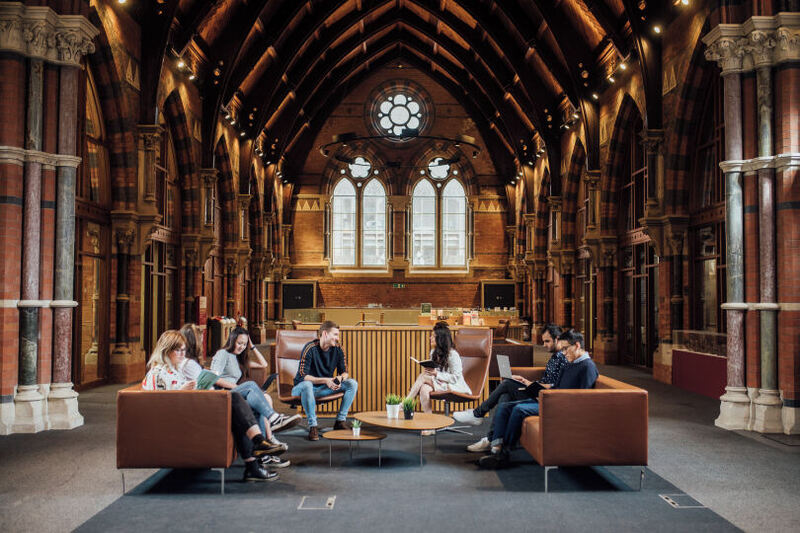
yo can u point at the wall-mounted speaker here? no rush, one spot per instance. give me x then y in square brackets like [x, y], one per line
[299, 294]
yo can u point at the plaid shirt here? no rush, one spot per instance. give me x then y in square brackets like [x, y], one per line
[554, 367]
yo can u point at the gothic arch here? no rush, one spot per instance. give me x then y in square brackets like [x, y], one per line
[175, 116]
[615, 165]
[571, 186]
[117, 118]
[227, 193]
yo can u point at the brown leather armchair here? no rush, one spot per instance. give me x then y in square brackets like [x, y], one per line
[152, 430]
[288, 347]
[474, 345]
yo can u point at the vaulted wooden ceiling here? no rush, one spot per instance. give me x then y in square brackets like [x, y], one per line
[279, 67]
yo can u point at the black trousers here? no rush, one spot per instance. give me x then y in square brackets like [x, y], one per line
[242, 419]
[507, 391]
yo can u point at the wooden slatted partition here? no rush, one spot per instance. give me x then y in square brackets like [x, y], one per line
[379, 359]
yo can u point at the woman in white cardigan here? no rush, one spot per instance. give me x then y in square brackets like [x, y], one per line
[446, 376]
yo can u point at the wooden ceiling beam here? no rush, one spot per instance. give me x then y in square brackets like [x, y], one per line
[605, 17]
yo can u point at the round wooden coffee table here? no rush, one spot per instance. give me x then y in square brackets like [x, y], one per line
[347, 435]
[421, 422]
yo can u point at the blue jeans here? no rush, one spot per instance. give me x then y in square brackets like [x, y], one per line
[254, 396]
[309, 392]
[508, 420]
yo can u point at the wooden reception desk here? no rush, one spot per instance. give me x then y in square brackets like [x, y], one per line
[378, 358]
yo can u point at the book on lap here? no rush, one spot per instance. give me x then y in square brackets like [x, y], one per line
[206, 380]
[533, 389]
[428, 363]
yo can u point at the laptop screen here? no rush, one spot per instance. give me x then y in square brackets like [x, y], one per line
[504, 366]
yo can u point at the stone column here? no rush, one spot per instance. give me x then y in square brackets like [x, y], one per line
[190, 268]
[230, 285]
[727, 50]
[63, 401]
[768, 404]
[29, 404]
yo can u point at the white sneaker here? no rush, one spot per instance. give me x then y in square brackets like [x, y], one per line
[284, 422]
[481, 446]
[283, 445]
[467, 417]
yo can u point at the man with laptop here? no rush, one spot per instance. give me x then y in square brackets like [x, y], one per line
[579, 373]
[512, 388]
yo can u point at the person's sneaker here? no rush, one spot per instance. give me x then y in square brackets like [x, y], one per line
[467, 417]
[272, 461]
[285, 422]
[283, 445]
[313, 433]
[495, 461]
[267, 448]
[254, 472]
[342, 424]
[481, 446]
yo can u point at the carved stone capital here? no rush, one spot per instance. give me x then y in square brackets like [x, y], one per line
[728, 53]
[149, 136]
[39, 32]
[124, 237]
[244, 201]
[209, 176]
[760, 46]
[652, 141]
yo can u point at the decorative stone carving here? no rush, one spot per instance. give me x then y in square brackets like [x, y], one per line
[39, 32]
[760, 45]
[728, 52]
[124, 237]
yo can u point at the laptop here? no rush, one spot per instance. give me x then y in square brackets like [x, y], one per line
[504, 366]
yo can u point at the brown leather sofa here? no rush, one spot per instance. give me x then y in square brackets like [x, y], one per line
[603, 426]
[174, 429]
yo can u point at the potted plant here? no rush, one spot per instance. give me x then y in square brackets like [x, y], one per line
[409, 404]
[393, 406]
[356, 428]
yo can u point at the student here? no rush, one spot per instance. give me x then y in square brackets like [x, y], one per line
[446, 376]
[232, 365]
[191, 370]
[163, 374]
[579, 373]
[320, 359]
[509, 390]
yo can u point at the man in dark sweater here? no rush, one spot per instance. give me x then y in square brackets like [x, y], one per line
[320, 360]
[510, 391]
[579, 373]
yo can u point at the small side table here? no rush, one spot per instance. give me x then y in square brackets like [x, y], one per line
[347, 435]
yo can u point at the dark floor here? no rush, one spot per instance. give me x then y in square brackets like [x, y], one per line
[58, 481]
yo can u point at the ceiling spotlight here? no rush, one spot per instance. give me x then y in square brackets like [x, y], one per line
[595, 96]
[285, 182]
[192, 77]
[242, 134]
[656, 29]
[121, 1]
[181, 63]
[268, 162]
[575, 116]
[513, 182]
[530, 163]
[623, 66]
[611, 79]
[227, 116]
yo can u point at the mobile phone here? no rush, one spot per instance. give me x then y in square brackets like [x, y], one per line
[336, 380]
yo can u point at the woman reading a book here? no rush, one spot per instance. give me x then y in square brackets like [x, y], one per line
[164, 373]
[442, 373]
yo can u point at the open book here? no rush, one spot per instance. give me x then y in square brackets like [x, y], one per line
[206, 380]
[533, 389]
[428, 363]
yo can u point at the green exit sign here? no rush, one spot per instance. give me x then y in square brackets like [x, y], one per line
[398, 285]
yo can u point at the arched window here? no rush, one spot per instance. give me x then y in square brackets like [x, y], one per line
[373, 224]
[423, 231]
[454, 217]
[439, 224]
[344, 224]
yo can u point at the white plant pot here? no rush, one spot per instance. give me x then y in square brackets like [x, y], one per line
[356, 432]
[393, 411]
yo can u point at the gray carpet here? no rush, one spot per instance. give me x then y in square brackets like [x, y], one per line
[449, 491]
[59, 480]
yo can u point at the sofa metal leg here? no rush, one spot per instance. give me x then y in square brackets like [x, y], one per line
[641, 479]
[547, 470]
[122, 473]
[221, 479]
